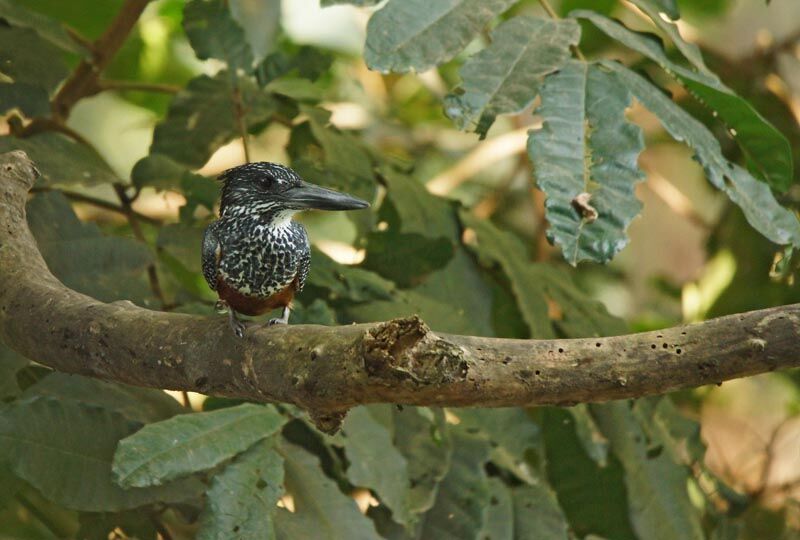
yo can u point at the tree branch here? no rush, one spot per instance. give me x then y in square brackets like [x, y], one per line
[328, 370]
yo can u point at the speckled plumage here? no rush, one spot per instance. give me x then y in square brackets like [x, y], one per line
[254, 255]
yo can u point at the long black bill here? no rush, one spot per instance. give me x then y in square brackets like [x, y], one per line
[311, 196]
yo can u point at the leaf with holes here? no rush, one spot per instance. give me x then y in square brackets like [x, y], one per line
[504, 77]
[189, 443]
[755, 198]
[417, 35]
[768, 152]
[243, 497]
[585, 161]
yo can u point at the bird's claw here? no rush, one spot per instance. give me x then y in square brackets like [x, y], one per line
[238, 328]
[273, 322]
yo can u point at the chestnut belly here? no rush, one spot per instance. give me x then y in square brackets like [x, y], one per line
[255, 305]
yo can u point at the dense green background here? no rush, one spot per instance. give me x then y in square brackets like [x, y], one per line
[422, 108]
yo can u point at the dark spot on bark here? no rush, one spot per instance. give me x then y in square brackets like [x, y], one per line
[314, 355]
[653, 346]
[201, 382]
[597, 344]
[560, 350]
[507, 360]
[537, 372]
[525, 374]
[678, 351]
[295, 380]
[665, 346]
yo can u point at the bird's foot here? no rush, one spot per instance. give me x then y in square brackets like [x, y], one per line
[284, 319]
[237, 326]
[221, 307]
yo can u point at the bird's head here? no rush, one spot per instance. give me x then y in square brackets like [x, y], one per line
[270, 188]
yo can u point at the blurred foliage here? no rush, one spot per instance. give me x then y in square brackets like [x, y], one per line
[81, 458]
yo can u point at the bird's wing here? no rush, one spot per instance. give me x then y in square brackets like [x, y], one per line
[212, 251]
[305, 266]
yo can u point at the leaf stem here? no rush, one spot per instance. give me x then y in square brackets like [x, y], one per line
[100, 203]
[136, 86]
[240, 120]
[553, 15]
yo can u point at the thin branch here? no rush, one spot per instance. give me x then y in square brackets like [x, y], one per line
[100, 203]
[328, 370]
[152, 273]
[84, 80]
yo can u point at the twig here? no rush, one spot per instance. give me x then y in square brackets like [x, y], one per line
[136, 86]
[43, 518]
[152, 273]
[84, 80]
[100, 203]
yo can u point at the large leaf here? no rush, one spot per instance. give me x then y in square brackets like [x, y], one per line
[538, 515]
[214, 33]
[27, 58]
[375, 463]
[767, 150]
[142, 405]
[460, 508]
[346, 283]
[190, 443]
[534, 285]
[64, 449]
[49, 29]
[587, 148]
[654, 9]
[105, 267]
[594, 498]
[61, 160]
[761, 209]
[260, 20]
[421, 436]
[320, 509]
[203, 116]
[505, 77]
[417, 34]
[658, 497]
[242, 499]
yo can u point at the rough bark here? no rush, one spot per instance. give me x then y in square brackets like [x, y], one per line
[328, 370]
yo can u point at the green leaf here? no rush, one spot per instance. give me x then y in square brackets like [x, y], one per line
[321, 510]
[592, 440]
[538, 515]
[346, 283]
[499, 522]
[460, 506]
[659, 501]
[105, 267]
[260, 20]
[504, 77]
[189, 443]
[31, 99]
[214, 33]
[766, 149]
[375, 463]
[654, 9]
[345, 165]
[202, 117]
[49, 29]
[27, 58]
[81, 257]
[64, 449]
[755, 199]
[10, 363]
[534, 285]
[421, 436]
[295, 88]
[61, 160]
[594, 498]
[585, 161]
[158, 171]
[242, 498]
[142, 405]
[417, 35]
